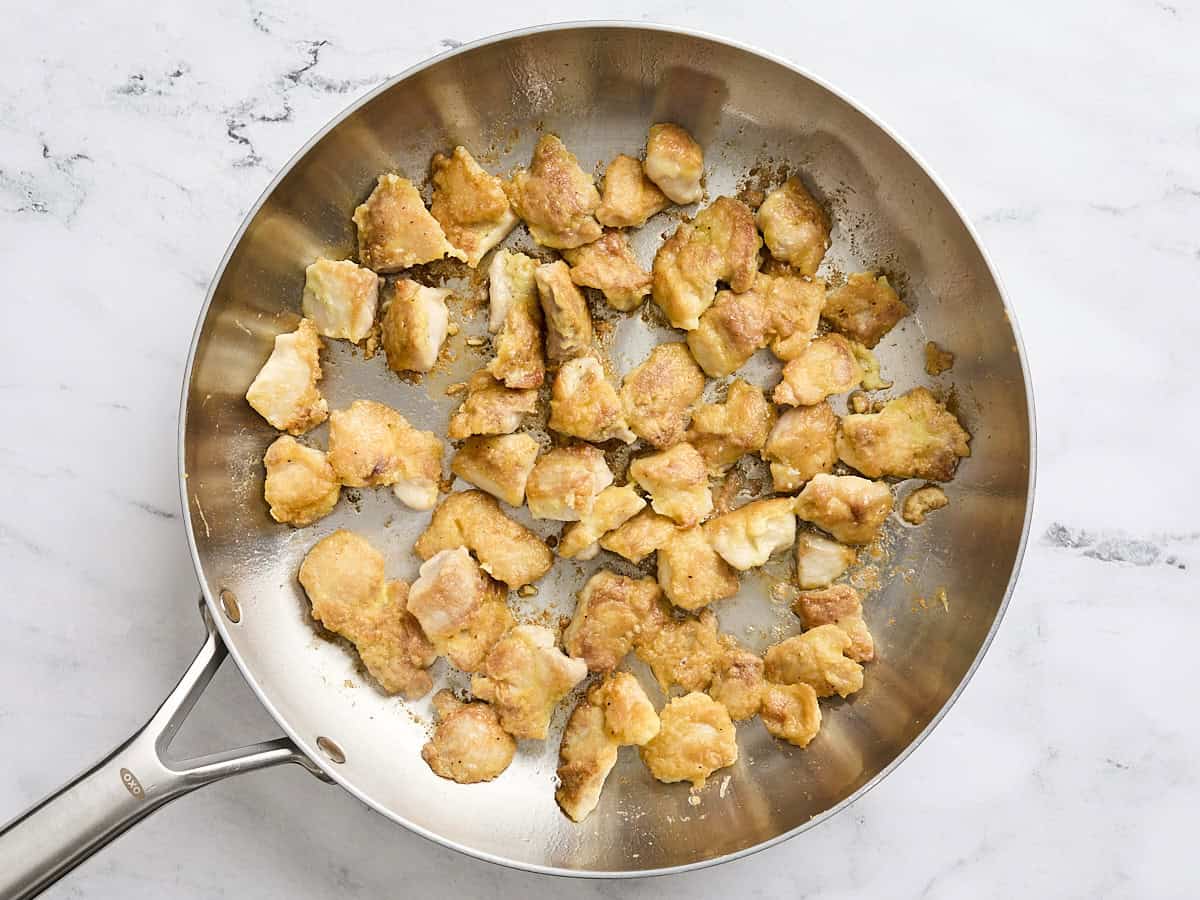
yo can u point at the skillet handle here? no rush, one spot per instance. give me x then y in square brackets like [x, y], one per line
[40, 846]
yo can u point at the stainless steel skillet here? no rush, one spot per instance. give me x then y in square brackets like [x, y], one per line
[598, 86]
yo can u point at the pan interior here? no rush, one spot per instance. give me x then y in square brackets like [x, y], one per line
[599, 88]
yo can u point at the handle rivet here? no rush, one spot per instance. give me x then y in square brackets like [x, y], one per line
[331, 750]
[229, 603]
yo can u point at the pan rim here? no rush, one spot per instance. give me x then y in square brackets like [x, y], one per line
[307, 746]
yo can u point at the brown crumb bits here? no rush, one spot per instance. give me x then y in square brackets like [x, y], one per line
[527, 590]
[937, 360]
[860, 402]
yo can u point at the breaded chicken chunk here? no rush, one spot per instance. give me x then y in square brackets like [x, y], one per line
[682, 652]
[568, 322]
[300, 486]
[524, 677]
[865, 308]
[470, 205]
[872, 379]
[415, 324]
[691, 573]
[584, 404]
[913, 436]
[516, 320]
[677, 482]
[614, 506]
[747, 536]
[730, 331]
[674, 162]
[340, 297]
[611, 614]
[724, 432]
[506, 550]
[838, 605]
[640, 536]
[825, 367]
[565, 482]
[499, 464]
[490, 408]
[658, 394]
[820, 561]
[468, 744]
[555, 197]
[917, 505]
[630, 197]
[343, 576]
[794, 305]
[629, 716]
[396, 231]
[791, 712]
[794, 226]
[695, 739]
[816, 658]
[802, 444]
[737, 682]
[284, 392]
[370, 445]
[852, 509]
[609, 266]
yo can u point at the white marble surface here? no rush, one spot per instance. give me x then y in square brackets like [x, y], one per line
[132, 141]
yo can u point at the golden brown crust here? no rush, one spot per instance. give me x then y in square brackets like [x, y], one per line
[565, 482]
[490, 408]
[677, 482]
[370, 444]
[516, 320]
[732, 330]
[852, 509]
[865, 308]
[795, 226]
[470, 204]
[555, 197]
[611, 614]
[737, 682]
[468, 746]
[614, 506]
[838, 605]
[499, 464]
[415, 324]
[724, 432]
[802, 444]
[659, 393]
[460, 609]
[584, 404]
[609, 266]
[826, 366]
[629, 198]
[568, 322]
[340, 297]
[691, 573]
[674, 162]
[640, 536]
[683, 652]
[791, 712]
[816, 658]
[696, 738]
[284, 392]
[913, 436]
[937, 360]
[300, 486]
[396, 231]
[918, 504]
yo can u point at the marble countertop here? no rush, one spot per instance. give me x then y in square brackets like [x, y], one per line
[133, 142]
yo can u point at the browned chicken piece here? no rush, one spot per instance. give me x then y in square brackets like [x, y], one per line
[565, 482]
[838, 605]
[343, 576]
[795, 226]
[737, 680]
[490, 408]
[747, 536]
[612, 613]
[677, 482]
[629, 716]
[340, 297]
[724, 432]
[691, 573]
[555, 197]
[396, 231]
[658, 394]
[674, 162]
[499, 464]
[415, 324]
[614, 506]
[584, 404]
[609, 266]
[468, 744]
[695, 739]
[568, 322]
[821, 561]
[937, 359]
[791, 712]
[865, 308]
[682, 652]
[913, 436]
[300, 486]
[640, 536]
[284, 392]
[720, 244]
[470, 205]
[917, 505]
[506, 550]
[731, 331]
[852, 509]
[827, 366]
[816, 658]
[516, 320]
[630, 198]
[794, 305]
[371, 445]
[802, 444]
[524, 677]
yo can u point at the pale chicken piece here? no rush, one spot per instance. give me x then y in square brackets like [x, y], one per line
[677, 482]
[913, 436]
[525, 676]
[584, 404]
[300, 486]
[396, 231]
[850, 508]
[340, 297]
[415, 324]
[609, 266]
[630, 197]
[372, 445]
[838, 605]
[816, 658]
[490, 408]
[791, 712]
[499, 464]
[865, 308]
[747, 536]
[674, 162]
[795, 226]
[555, 197]
[565, 482]
[691, 573]
[682, 652]
[737, 682]
[917, 505]
[284, 392]
[658, 394]
[468, 745]
[720, 244]
[516, 319]
[820, 561]
[802, 444]
[612, 613]
[724, 432]
[827, 366]
[730, 331]
[614, 506]
[794, 305]
[568, 322]
[343, 576]
[695, 739]
[640, 536]
[506, 550]
[470, 205]
[460, 609]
